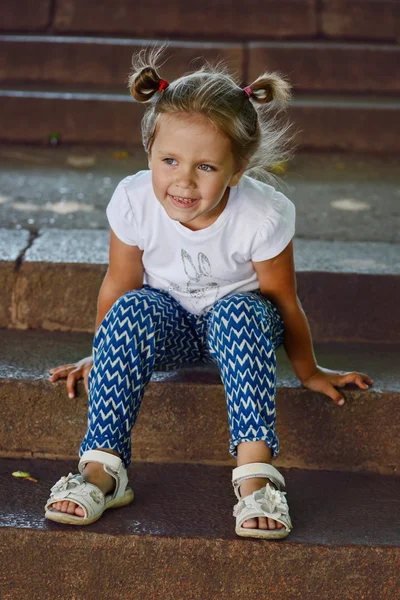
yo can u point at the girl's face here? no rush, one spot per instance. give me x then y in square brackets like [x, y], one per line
[192, 169]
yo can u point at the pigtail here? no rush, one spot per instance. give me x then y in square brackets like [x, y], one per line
[277, 136]
[144, 79]
[270, 88]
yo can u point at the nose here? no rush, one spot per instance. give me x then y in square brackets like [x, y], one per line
[185, 178]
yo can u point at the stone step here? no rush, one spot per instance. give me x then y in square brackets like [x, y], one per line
[51, 280]
[31, 114]
[183, 416]
[225, 19]
[349, 198]
[361, 19]
[24, 16]
[313, 65]
[354, 19]
[99, 61]
[176, 541]
[337, 19]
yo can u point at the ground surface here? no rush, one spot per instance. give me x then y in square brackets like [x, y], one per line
[337, 196]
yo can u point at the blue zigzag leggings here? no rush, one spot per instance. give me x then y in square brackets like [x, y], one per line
[147, 330]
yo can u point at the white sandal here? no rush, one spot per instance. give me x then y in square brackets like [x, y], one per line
[88, 496]
[266, 502]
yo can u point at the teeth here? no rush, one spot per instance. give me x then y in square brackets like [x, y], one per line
[187, 200]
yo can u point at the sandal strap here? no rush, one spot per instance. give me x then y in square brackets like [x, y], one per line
[75, 489]
[113, 465]
[266, 502]
[104, 458]
[240, 474]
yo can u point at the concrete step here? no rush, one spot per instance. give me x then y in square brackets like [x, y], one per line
[176, 541]
[31, 114]
[99, 61]
[351, 197]
[183, 416]
[51, 280]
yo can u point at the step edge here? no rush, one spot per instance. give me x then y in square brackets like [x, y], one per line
[176, 379]
[302, 99]
[229, 463]
[125, 41]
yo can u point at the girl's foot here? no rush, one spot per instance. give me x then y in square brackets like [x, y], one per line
[248, 487]
[250, 452]
[93, 473]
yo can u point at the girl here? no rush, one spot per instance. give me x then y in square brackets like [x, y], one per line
[201, 268]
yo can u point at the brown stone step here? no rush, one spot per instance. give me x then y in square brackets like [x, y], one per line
[183, 416]
[225, 19]
[313, 65]
[310, 66]
[25, 15]
[349, 291]
[83, 117]
[360, 19]
[99, 61]
[344, 123]
[343, 19]
[176, 541]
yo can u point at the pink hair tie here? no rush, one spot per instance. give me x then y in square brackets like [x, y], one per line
[248, 90]
[163, 84]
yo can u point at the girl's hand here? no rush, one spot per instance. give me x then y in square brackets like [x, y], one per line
[73, 372]
[325, 381]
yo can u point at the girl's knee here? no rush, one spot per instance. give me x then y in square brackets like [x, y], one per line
[245, 315]
[132, 297]
[142, 300]
[135, 311]
[243, 310]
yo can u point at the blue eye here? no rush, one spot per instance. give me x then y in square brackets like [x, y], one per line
[203, 167]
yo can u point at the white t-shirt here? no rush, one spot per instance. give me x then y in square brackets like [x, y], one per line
[199, 267]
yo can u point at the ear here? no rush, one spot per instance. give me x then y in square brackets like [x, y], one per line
[240, 166]
[149, 160]
[237, 176]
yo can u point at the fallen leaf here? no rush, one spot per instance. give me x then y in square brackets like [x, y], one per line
[121, 155]
[31, 479]
[21, 474]
[81, 162]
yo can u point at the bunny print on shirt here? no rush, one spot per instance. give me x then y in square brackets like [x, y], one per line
[200, 280]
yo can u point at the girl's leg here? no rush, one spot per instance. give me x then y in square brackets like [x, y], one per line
[245, 330]
[145, 329]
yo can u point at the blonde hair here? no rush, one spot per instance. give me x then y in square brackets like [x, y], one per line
[259, 137]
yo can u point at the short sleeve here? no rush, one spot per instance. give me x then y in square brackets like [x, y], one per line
[276, 230]
[121, 216]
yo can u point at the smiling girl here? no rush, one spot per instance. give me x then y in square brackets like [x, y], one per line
[200, 269]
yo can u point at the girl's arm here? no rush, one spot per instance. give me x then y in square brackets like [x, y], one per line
[277, 281]
[125, 272]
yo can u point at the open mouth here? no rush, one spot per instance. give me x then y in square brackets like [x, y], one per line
[180, 201]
